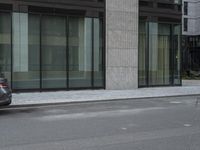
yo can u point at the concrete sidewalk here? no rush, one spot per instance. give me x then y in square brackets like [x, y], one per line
[100, 95]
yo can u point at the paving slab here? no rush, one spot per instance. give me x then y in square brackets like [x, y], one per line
[37, 98]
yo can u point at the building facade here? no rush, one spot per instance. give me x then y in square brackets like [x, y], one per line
[93, 44]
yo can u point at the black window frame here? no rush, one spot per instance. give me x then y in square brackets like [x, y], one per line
[185, 24]
[185, 8]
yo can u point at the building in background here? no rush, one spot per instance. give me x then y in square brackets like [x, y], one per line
[191, 39]
[93, 44]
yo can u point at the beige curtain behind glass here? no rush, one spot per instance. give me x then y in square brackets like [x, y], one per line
[163, 72]
[159, 54]
[153, 53]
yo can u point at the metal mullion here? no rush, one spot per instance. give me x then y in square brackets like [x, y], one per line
[11, 46]
[67, 51]
[171, 55]
[104, 46]
[40, 52]
[103, 53]
[147, 54]
[92, 73]
[181, 56]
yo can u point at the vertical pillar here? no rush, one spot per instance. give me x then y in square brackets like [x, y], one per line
[122, 44]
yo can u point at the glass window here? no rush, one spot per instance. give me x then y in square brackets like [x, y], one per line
[98, 53]
[177, 53]
[142, 53]
[159, 54]
[34, 51]
[26, 47]
[5, 46]
[185, 8]
[80, 52]
[177, 1]
[51, 52]
[54, 52]
[185, 24]
[165, 5]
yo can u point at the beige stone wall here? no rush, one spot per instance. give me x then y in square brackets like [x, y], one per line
[122, 44]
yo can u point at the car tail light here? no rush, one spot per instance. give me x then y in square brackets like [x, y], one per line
[3, 85]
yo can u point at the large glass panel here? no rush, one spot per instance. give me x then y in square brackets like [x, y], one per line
[5, 45]
[26, 47]
[98, 52]
[53, 52]
[159, 54]
[177, 54]
[80, 52]
[142, 53]
[34, 51]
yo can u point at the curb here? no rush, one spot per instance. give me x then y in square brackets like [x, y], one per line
[57, 104]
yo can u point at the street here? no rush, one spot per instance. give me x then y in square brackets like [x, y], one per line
[143, 124]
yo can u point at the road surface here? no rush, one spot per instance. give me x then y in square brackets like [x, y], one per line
[143, 124]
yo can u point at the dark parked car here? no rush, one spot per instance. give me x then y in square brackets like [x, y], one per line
[5, 92]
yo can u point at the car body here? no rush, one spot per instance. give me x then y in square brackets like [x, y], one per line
[5, 92]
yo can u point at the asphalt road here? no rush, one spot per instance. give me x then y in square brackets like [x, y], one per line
[153, 124]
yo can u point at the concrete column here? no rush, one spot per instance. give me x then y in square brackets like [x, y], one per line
[121, 44]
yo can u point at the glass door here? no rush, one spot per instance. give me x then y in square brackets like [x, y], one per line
[159, 54]
[53, 42]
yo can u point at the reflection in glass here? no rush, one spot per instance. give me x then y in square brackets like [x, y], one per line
[26, 47]
[5, 45]
[53, 52]
[159, 56]
[164, 53]
[80, 52]
[98, 52]
[45, 47]
[142, 53]
[177, 54]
